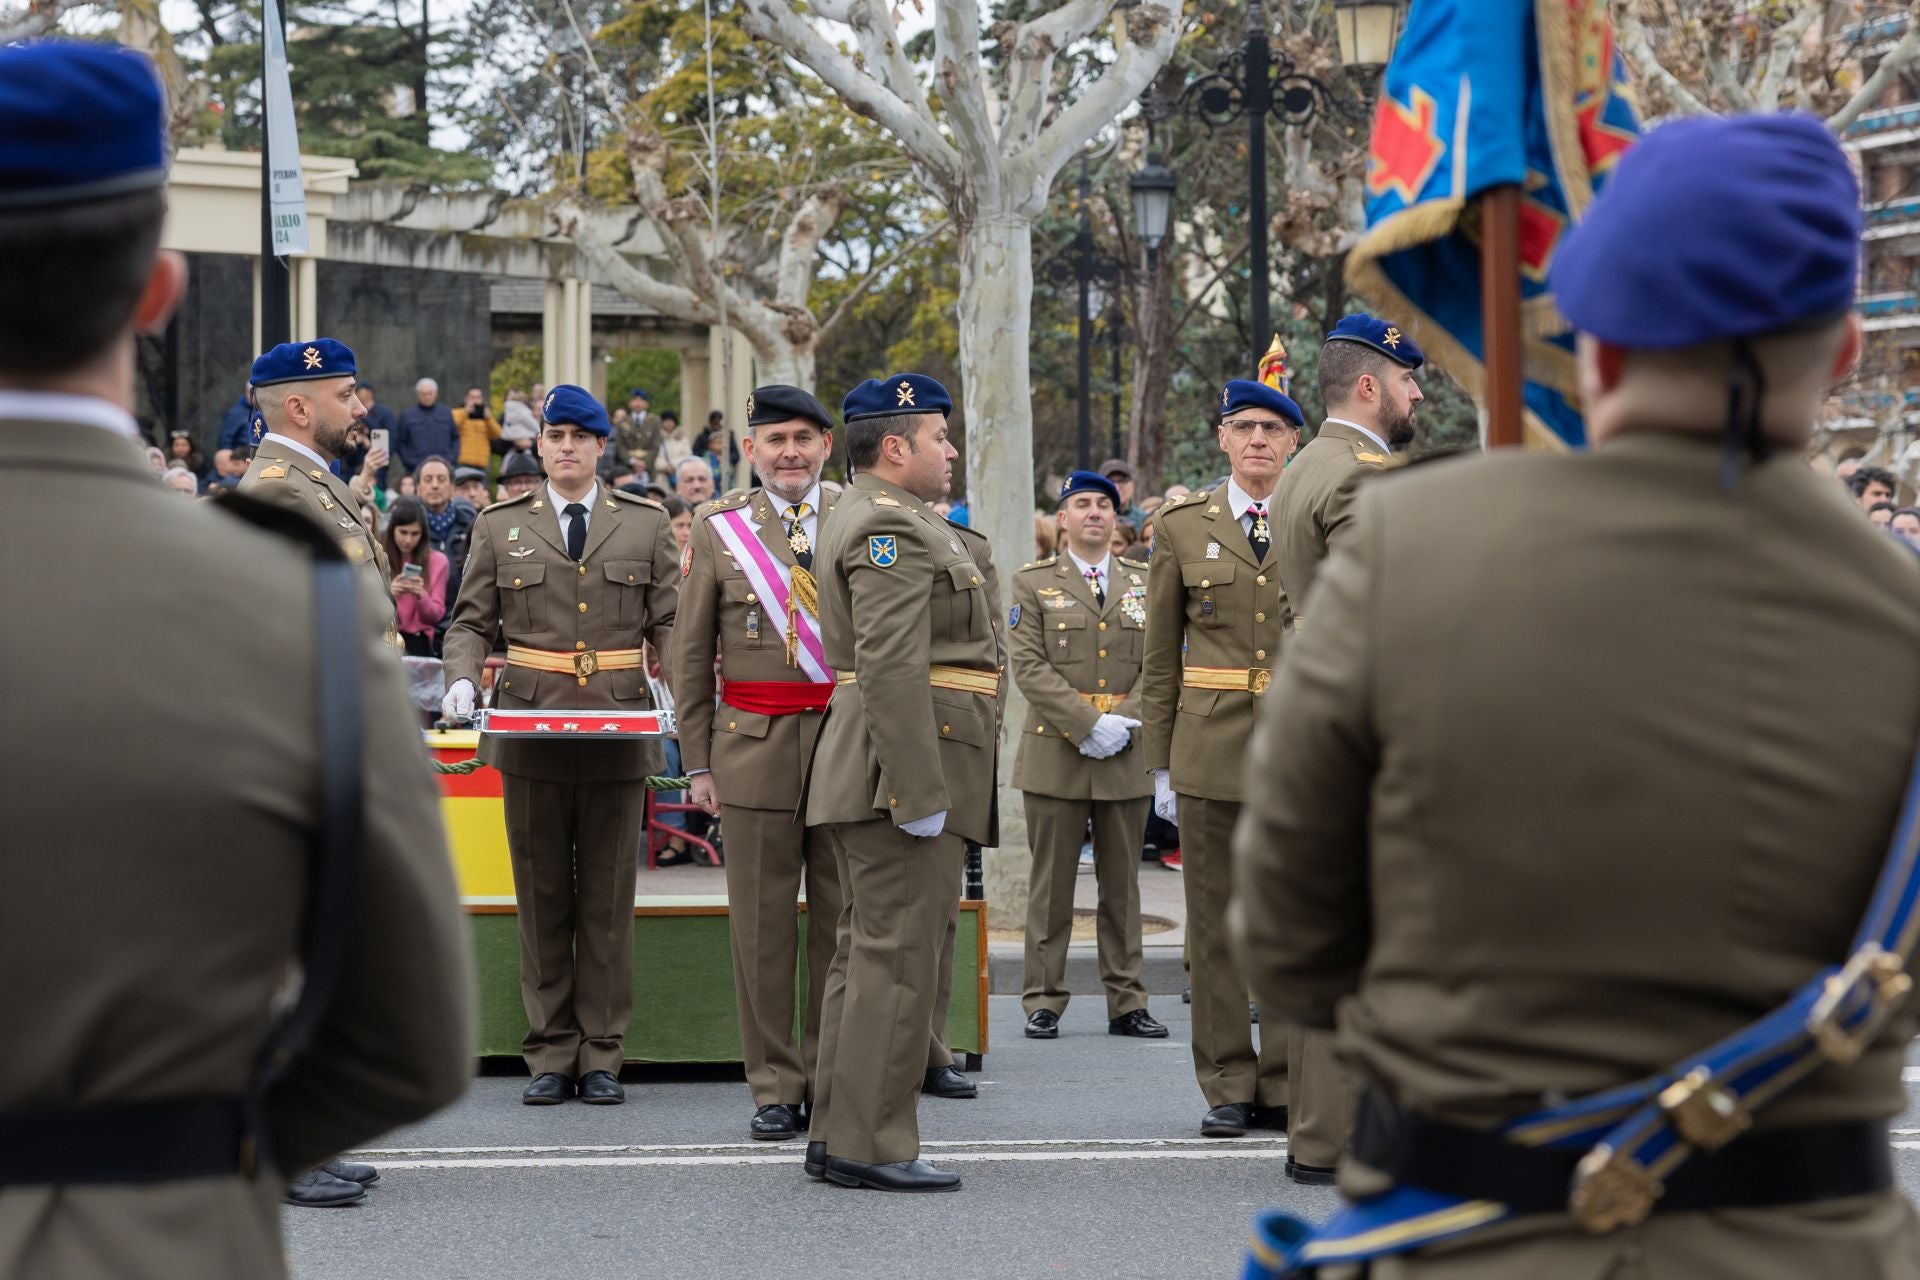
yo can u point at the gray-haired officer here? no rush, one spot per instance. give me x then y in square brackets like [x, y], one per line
[1077, 629]
[151, 918]
[1555, 862]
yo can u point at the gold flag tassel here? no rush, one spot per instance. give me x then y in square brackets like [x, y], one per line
[803, 594]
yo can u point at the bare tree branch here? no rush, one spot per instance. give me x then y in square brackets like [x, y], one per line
[957, 72]
[572, 221]
[880, 48]
[41, 16]
[1147, 42]
[1780, 56]
[1897, 59]
[1720, 75]
[875, 273]
[776, 22]
[800, 246]
[1030, 51]
[1639, 50]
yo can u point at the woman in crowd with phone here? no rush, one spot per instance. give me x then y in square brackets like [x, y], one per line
[419, 576]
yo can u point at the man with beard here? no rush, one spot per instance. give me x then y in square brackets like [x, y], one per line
[306, 399]
[1367, 386]
[748, 608]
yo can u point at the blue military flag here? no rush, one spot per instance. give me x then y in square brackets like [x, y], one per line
[1480, 94]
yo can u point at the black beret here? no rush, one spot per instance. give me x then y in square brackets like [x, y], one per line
[778, 402]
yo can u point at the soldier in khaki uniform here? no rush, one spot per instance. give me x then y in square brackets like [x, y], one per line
[306, 404]
[577, 574]
[1367, 384]
[902, 776]
[145, 960]
[1213, 636]
[1651, 794]
[1077, 625]
[748, 602]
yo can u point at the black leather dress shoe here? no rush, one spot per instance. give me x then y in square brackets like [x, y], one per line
[546, 1089]
[1309, 1175]
[946, 1082]
[816, 1161]
[1043, 1024]
[318, 1189]
[1186, 995]
[775, 1122]
[1138, 1023]
[908, 1175]
[1270, 1118]
[1231, 1120]
[347, 1171]
[602, 1089]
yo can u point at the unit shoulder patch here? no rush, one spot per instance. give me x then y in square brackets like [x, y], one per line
[883, 550]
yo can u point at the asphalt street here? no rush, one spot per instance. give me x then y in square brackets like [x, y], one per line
[1080, 1158]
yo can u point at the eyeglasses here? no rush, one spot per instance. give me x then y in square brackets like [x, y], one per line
[1247, 426]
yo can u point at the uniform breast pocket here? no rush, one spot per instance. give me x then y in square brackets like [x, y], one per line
[967, 604]
[1066, 631]
[744, 617]
[520, 597]
[1207, 582]
[626, 590]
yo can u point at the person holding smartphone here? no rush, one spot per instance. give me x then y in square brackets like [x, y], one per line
[419, 577]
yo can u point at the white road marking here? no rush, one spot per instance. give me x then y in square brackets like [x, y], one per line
[792, 1158]
[765, 1148]
[1911, 1075]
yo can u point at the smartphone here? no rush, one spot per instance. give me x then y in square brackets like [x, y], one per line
[378, 440]
[410, 570]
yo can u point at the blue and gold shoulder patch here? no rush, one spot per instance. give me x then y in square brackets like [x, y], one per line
[1013, 616]
[883, 550]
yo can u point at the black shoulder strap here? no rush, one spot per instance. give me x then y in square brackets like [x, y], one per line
[333, 867]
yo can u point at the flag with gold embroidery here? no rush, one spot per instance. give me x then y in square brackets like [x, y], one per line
[1480, 94]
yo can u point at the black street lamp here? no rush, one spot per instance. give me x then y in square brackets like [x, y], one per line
[1252, 83]
[1082, 263]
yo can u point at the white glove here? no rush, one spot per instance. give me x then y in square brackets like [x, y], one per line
[1163, 798]
[1108, 736]
[458, 704]
[926, 828]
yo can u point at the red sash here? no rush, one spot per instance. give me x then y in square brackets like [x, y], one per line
[776, 697]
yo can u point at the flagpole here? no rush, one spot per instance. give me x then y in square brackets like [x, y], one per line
[1500, 313]
[276, 307]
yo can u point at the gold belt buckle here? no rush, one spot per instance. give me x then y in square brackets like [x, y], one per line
[1611, 1190]
[585, 664]
[1258, 679]
[1706, 1115]
[1890, 984]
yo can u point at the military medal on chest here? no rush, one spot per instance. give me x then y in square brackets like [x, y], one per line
[1133, 607]
[1260, 532]
[1213, 551]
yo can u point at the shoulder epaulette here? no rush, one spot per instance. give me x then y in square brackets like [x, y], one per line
[1046, 563]
[511, 502]
[882, 500]
[1368, 456]
[1184, 501]
[1133, 564]
[635, 497]
[277, 471]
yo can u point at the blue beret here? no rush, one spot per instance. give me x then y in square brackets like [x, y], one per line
[303, 362]
[1385, 338]
[1712, 229]
[898, 393]
[639, 391]
[1244, 394]
[777, 402]
[1089, 482]
[78, 122]
[568, 405]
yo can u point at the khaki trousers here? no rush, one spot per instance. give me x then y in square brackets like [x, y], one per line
[1225, 1062]
[938, 1054]
[1055, 828]
[1865, 1238]
[901, 895]
[573, 846]
[768, 855]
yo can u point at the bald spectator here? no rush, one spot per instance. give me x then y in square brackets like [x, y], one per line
[693, 481]
[426, 429]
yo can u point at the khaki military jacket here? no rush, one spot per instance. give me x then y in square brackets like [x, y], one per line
[757, 760]
[899, 592]
[1074, 658]
[1590, 783]
[281, 475]
[1206, 594]
[1313, 507]
[981, 549]
[624, 591]
[158, 823]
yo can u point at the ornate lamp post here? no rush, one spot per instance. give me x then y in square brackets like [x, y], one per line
[1252, 83]
[1082, 263]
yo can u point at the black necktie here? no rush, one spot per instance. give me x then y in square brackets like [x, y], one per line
[1259, 535]
[576, 532]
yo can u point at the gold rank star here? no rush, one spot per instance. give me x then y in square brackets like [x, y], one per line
[1392, 338]
[313, 357]
[905, 391]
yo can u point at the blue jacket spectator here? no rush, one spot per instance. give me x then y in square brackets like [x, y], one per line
[426, 430]
[379, 417]
[233, 425]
